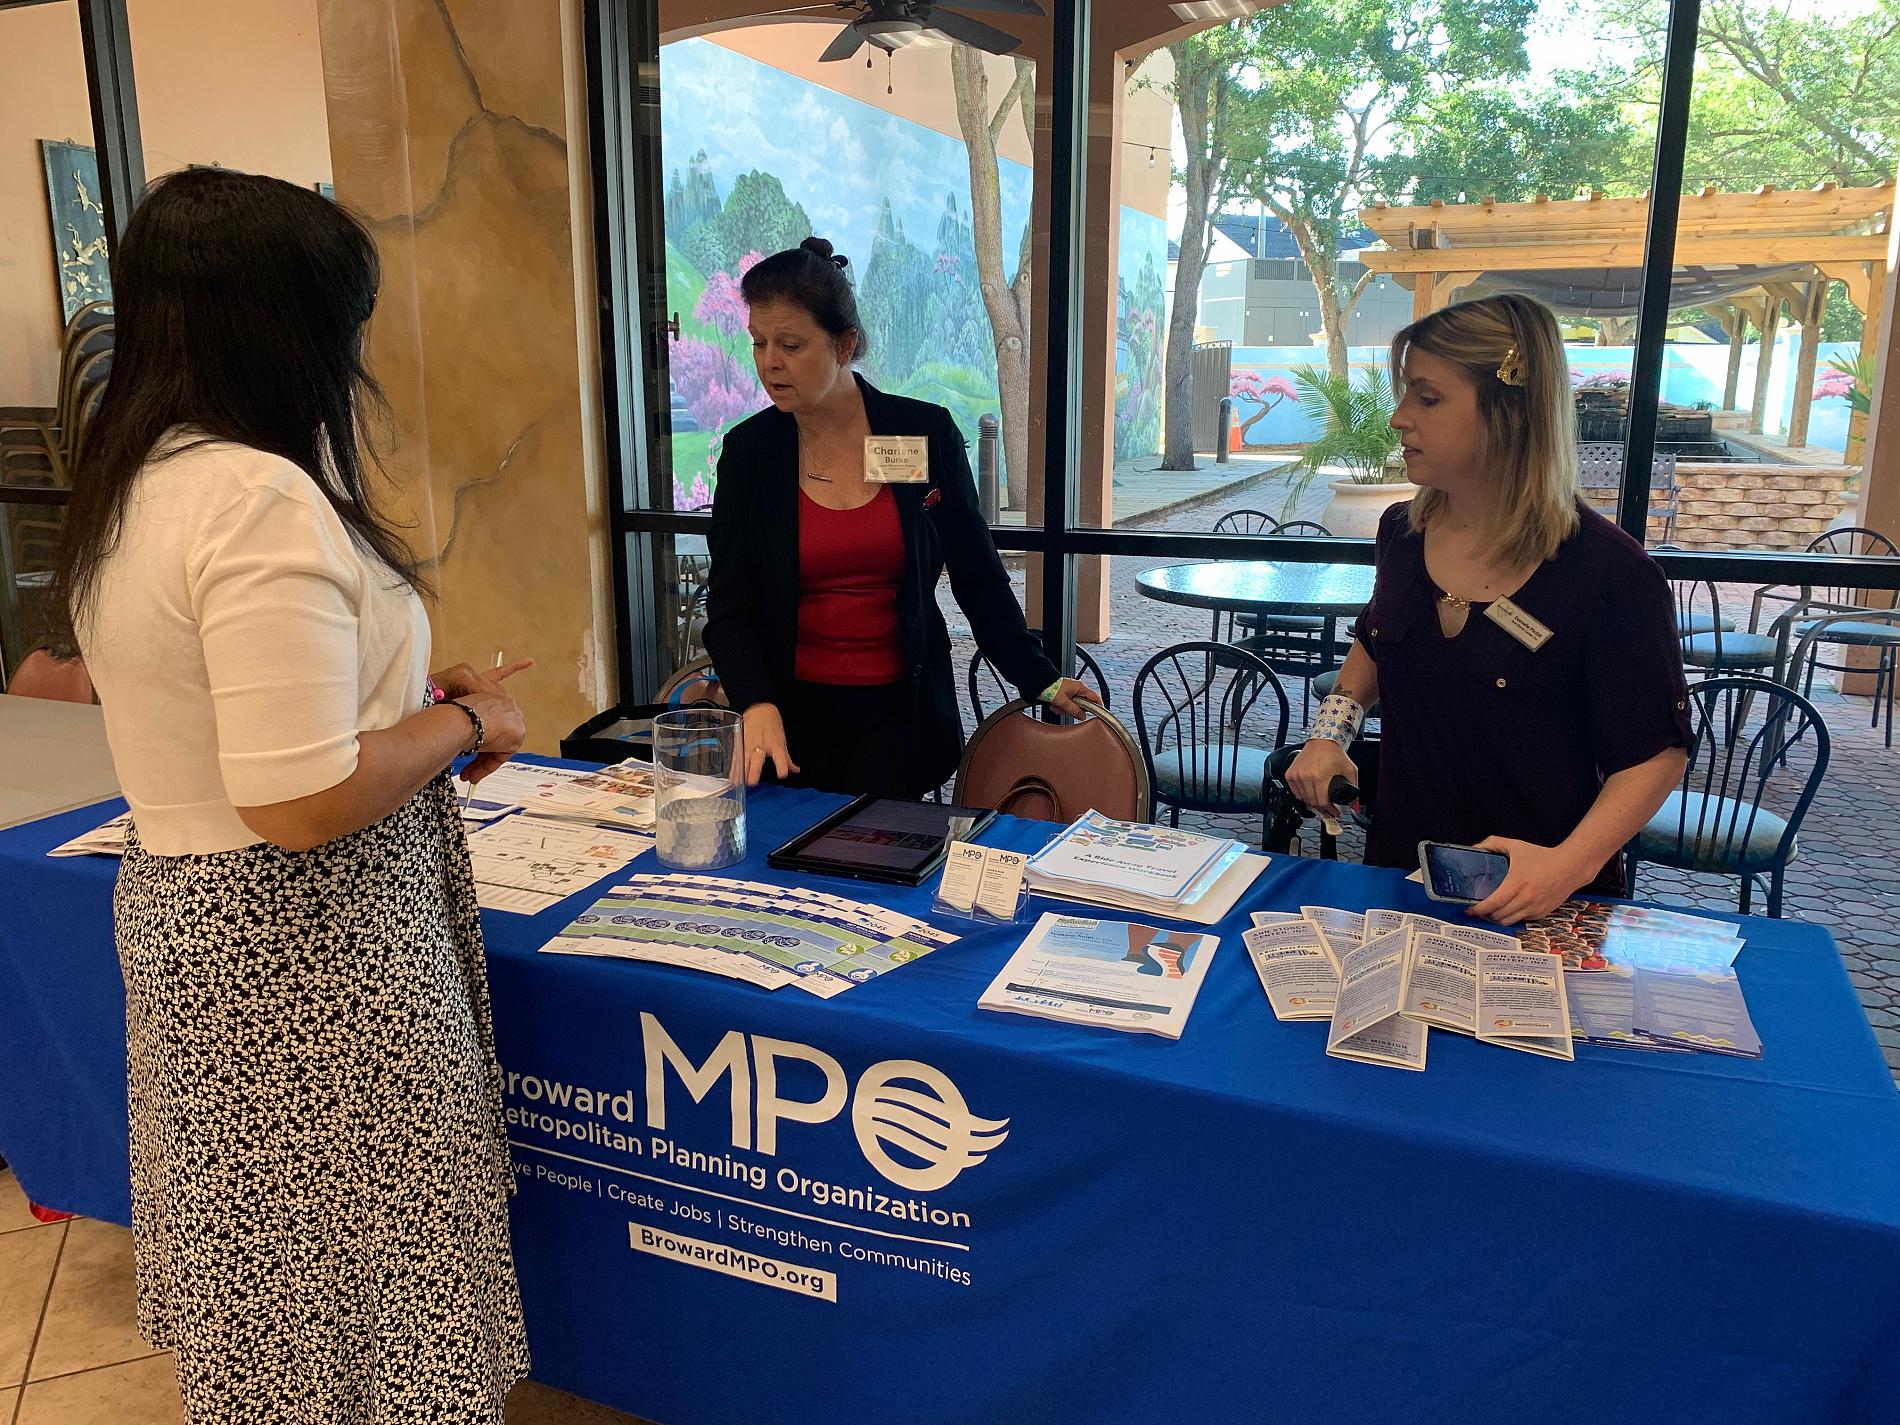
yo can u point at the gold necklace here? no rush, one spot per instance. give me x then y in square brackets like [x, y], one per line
[804, 458]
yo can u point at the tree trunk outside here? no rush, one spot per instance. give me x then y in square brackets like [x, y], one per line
[1332, 319]
[1008, 328]
[1177, 376]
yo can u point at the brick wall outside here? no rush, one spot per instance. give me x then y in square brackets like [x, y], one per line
[1740, 506]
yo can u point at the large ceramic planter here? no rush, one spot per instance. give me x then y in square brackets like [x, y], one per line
[1355, 509]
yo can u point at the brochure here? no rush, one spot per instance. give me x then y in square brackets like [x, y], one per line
[621, 794]
[1521, 1004]
[1341, 929]
[526, 864]
[106, 839]
[1442, 988]
[1367, 1025]
[1108, 972]
[1295, 968]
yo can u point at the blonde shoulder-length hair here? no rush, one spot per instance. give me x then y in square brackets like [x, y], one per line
[1527, 424]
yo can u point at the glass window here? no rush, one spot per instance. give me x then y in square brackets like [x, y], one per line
[913, 155]
[55, 291]
[1336, 168]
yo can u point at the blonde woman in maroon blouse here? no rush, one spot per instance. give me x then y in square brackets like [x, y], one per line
[1521, 649]
[822, 616]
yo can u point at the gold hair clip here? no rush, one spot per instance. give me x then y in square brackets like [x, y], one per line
[1511, 369]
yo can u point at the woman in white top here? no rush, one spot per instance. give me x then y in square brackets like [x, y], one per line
[319, 1170]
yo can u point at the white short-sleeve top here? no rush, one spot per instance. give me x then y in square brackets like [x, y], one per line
[240, 638]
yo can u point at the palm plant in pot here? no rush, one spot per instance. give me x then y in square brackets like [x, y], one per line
[1356, 438]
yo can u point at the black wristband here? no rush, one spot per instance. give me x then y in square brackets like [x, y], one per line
[475, 720]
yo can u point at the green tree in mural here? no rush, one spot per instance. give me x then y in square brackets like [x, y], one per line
[1339, 84]
[892, 301]
[1218, 116]
[692, 199]
[757, 216]
[1005, 302]
[958, 326]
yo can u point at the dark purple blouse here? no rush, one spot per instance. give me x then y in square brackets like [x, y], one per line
[1482, 737]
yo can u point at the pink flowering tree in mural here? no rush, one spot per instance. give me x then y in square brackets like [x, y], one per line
[714, 379]
[1266, 392]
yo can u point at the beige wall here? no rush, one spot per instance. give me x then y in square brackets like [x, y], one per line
[232, 82]
[42, 96]
[236, 82]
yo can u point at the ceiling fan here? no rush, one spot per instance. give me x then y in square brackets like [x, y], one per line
[892, 24]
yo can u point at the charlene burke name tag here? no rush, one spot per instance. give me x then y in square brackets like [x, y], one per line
[1520, 625]
[897, 459]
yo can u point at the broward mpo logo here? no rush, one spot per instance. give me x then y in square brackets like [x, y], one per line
[911, 1121]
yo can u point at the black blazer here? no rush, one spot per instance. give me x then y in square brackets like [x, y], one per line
[752, 597]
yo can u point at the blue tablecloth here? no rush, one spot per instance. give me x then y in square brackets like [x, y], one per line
[1101, 1226]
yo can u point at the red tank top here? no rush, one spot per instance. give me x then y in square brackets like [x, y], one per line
[849, 565]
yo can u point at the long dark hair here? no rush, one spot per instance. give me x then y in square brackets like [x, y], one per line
[812, 276]
[241, 303]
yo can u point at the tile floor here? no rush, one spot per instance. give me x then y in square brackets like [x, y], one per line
[71, 1355]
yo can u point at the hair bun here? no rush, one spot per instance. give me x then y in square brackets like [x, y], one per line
[822, 247]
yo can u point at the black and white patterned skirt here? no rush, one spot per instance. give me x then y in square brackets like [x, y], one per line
[319, 1169]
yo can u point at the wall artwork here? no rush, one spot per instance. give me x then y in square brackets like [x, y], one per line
[79, 225]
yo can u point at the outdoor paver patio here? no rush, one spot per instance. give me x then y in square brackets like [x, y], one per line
[1847, 876]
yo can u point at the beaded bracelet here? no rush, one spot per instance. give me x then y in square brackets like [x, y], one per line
[475, 720]
[1338, 720]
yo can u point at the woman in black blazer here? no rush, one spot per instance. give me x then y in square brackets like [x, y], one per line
[821, 614]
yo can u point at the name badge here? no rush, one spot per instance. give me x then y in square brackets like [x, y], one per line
[897, 459]
[1520, 625]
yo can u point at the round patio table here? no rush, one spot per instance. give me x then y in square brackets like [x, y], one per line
[1260, 589]
[1257, 586]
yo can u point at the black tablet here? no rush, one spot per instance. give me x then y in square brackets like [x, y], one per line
[879, 839]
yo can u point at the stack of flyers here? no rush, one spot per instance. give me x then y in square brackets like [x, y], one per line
[1702, 1010]
[1592, 936]
[1159, 870]
[620, 795]
[104, 840]
[1603, 1010]
[764, 934]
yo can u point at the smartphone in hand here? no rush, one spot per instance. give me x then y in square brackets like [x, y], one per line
[1461, 875]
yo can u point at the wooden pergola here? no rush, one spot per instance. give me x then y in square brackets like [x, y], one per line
[1800, 240]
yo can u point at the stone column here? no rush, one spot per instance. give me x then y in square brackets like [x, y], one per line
[449, 133]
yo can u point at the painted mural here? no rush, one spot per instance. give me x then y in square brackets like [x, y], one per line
[757, 159]
[1267, 409]
[1140, 303]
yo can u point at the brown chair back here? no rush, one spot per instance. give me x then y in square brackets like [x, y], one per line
[692, 685]
[61, 680]
[1052, 771]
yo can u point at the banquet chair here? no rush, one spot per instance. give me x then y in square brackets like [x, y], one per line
[1209, 716]
[985, 677]
[1246, 522]
[1053, 771]
[1710, 642]
[1717, 821]
[1817, 609]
